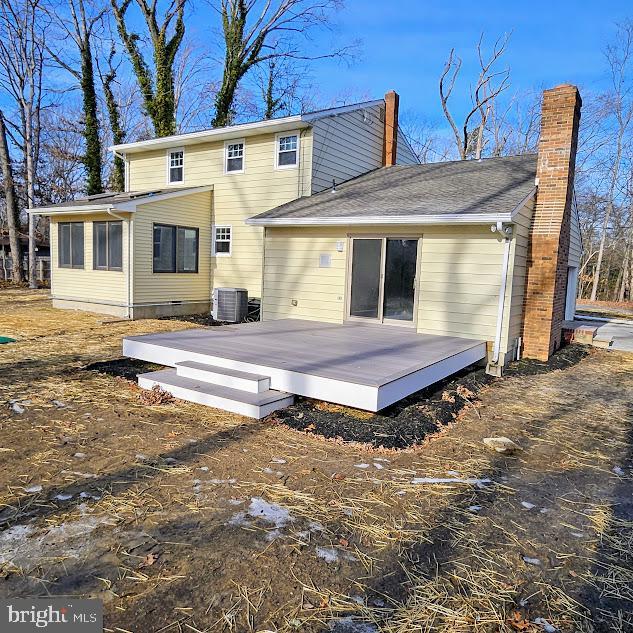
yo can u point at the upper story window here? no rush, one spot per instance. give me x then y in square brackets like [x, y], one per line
[70, 244]
[287, 152]
[175, 165]
[234, 156]
[107, 245]
[175, 249]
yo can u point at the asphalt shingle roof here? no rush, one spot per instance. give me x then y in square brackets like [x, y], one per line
[488, 186]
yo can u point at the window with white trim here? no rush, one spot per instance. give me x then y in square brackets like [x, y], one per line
[287, 151]
[107, 245]
[222, 240]
[234, 156]
[176, 165]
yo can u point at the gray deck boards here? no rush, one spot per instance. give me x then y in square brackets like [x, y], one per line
[363, 354]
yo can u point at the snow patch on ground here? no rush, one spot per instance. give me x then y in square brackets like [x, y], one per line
[333, 555]
[26, 546]
[451, 480]
[350, 625]
[270, 512]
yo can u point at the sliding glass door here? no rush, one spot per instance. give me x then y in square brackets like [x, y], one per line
[382, 284]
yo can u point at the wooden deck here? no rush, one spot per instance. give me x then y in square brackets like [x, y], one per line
[364, 366]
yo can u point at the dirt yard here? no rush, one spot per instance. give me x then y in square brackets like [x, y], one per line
[184, 518]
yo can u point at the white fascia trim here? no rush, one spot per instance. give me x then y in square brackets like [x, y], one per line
[480, 218]
[131, 205]
[220, 133]
[74, 210]
[126, 207]
[521, 204]
[322, 114]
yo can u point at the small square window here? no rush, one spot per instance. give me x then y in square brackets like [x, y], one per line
[176, 165]
[222, 240]
[235, 156]
[287, 150]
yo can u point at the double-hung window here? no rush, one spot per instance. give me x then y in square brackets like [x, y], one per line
[107, 245]
[222, 240]
[287, 151]
[234, 157]
[70, 244]
[175, 249]
[175, 166]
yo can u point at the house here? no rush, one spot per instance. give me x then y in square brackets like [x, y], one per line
[473, 260]
[178, 231]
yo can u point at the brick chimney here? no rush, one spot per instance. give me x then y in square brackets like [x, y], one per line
[548, 251]
[390, 145]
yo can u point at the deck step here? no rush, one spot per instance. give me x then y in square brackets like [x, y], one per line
[604, 343]
[223, 377]
[253, 405]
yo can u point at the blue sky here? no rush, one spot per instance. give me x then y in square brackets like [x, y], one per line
[404, 44]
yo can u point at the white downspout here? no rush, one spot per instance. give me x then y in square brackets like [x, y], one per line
[506, 233]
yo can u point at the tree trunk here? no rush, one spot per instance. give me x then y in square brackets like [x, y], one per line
[92, 156]
[117, 179]
[13, 215]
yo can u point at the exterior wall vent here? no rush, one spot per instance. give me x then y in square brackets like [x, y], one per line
[230, 304]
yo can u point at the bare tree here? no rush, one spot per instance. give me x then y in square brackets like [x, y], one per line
[21, 74]
[108, 80]
[619, 106]
[490, 83]
[78, 26]
[255, 33]
[157, 86]
[11, 201]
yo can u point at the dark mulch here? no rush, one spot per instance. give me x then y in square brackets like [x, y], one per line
[127, 368]
[409, 421]
[401, 425]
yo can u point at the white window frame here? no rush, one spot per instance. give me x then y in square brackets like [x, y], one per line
[277, 137]
[170, 151]
[214, 228]
[234, 141]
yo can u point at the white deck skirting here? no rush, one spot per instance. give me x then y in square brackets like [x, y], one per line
[358, 365]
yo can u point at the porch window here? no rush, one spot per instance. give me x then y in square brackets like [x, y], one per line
[222, 240]
[234, 157]
[107, 245]
[70, 243]
[175, 249]
[176, 166]
[287, 151]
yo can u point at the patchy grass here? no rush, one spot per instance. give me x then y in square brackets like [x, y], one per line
[184, 518]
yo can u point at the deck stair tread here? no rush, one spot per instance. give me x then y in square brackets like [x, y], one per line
[170, 377]
[235, 373]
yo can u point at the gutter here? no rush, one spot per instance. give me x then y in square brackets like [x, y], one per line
[474, 218]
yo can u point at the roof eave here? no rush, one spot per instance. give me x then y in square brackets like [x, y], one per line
[456, 218]
[129, 206]
[234, 131]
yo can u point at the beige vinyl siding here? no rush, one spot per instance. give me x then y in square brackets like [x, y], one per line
[148, 287]
[404, 153]
[458, 283]
[346, 145]
[88, 284]
[575, 243]
[292, 273]
[235, 197]
[521, 242]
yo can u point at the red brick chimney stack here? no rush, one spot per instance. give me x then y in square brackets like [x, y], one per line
[549, 235]
[391, 129]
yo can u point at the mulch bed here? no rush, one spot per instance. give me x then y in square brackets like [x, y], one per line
[408, 422]
[402, 425]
